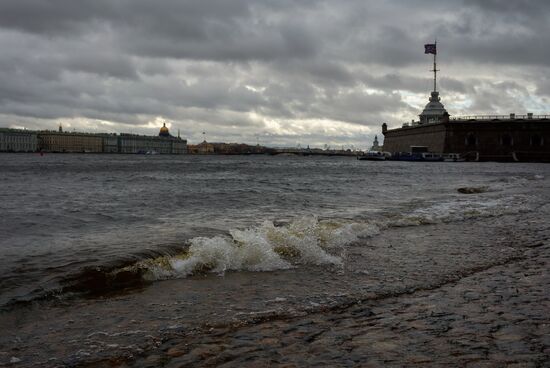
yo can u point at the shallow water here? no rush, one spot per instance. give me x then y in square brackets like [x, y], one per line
[62, 214]
[90, 238]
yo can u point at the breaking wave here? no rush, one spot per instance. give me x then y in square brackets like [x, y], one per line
[307, 240]
[268, 247]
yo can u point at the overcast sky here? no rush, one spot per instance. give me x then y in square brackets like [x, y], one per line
[277, 72]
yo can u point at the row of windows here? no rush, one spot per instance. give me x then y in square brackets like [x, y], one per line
[16, 139]
[71, 141]
[506, 140]
[18, 146]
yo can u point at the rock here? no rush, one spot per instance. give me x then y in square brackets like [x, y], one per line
[14, 360]
[177, 351]
[419, 359]
[472, 190]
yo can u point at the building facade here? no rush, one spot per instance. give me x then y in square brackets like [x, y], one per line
[14, 140]
[110, 143]
[492, 138]
[59, 141]
[164, 143]
[203, 148]
[17, 140]
[131, 143]
[69, 142]
[179, 146]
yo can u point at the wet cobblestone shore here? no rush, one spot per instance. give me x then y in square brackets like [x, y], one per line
[474, 293]
[494, 317]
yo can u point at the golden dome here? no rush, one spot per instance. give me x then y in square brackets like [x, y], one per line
[164, 131]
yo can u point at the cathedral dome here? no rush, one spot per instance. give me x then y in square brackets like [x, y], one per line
[164, 131]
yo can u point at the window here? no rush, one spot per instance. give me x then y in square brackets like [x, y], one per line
[471, 140]
[506, 140]
[537, 140]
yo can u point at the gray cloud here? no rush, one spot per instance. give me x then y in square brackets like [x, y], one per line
[272, 68]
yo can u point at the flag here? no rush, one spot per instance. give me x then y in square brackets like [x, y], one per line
[430, 48]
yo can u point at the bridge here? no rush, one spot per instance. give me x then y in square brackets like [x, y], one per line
[313, 152]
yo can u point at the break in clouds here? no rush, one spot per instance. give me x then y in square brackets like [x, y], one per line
[281, 72]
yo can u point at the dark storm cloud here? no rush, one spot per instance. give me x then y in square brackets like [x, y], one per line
[196, 29]
[499, 32]
[61, 17]
[234, 65]
[64, 17]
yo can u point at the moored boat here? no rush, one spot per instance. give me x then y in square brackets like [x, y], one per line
[373, 156]
[417, 156]
[453, 157]
[430, 156]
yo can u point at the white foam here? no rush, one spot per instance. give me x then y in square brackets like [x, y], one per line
[459, 210]
[310, 241]
[305, 240]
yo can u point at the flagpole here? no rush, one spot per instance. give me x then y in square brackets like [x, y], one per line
[435, 68]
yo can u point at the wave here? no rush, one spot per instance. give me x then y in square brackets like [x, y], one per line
[464, 209]
[308, 240]
[272, 245]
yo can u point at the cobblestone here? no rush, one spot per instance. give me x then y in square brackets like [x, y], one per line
[473, 293]
[492, 318]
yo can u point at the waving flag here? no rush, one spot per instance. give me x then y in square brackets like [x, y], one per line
[430, 48]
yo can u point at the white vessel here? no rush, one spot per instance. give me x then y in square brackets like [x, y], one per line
[453, 157]
[372, 155]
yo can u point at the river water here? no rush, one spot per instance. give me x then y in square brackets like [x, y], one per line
[103, 255]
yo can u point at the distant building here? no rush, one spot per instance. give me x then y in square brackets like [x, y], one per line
[133, 143]
[491, 137]
[375, 146]
[163, 144]
[203, 148]
[51, 141]
[486, 138]
[17, 140]
[179, 146]
[164, 132]
[110, 143]
[237, 148]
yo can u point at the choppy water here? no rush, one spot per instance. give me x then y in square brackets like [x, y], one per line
[75, 226]
[65, 214]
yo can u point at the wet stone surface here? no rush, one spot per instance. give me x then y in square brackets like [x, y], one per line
[493, 317]
[473, 293]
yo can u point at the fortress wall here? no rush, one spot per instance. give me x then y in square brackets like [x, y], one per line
[493, 140]
[489, 136]
[401, 140]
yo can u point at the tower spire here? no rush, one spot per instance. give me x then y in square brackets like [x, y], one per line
[435, 70]
[434, 110]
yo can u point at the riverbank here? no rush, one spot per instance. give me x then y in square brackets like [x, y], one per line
[456, 293]
[119, 260]
[491, 317]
